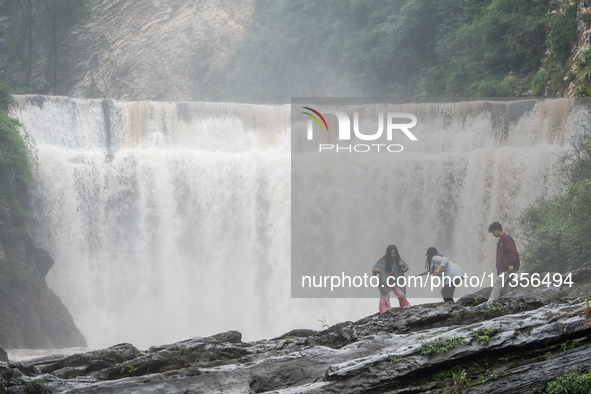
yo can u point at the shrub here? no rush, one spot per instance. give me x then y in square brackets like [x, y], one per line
[16, 161]
[572, 382]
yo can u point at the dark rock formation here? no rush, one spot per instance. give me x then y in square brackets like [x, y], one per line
[3, 355]
[510, 345]
[31, 315]
[43, 261]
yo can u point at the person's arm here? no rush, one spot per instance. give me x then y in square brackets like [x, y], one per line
[511, 252]
[376, 268]
[403, 266]
[438, 270]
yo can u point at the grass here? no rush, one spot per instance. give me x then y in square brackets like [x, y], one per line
[484, 337]
[128, 369]
[460, 379]
[441, 345]
[35, 385]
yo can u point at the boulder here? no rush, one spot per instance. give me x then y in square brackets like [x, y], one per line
[43, 261]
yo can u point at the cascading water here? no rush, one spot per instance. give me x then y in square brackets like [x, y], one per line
[166, 220]
[172, 220]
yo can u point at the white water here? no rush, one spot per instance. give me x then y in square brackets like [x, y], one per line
[172, 220]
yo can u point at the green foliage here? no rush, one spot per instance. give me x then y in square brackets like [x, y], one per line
[16, 162]
[483, 48]
[563, 32]
[323, 322]
[581, 158]
[6, 99]
[484, 337]
[441, 344]
[558, 230]
[37, 34]
[460, 378]
[572, 382]
[129, 369]
[59, 18]
[583, 73]
[35, 385]
[487, 41]
[456, 377]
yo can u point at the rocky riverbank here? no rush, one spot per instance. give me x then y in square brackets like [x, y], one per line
[510, 345]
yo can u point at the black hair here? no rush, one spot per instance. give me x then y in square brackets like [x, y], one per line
[495, 226]
[432, 251]
[389, 260]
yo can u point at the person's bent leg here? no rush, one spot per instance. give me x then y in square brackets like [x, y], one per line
[384, 302]
[402, 301]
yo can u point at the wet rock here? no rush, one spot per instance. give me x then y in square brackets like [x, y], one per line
[228, 336]
[43, 261]
[31, 315]
[297, 333]
[86, 362]
[509, 345]
[476, 298]
[3, 355]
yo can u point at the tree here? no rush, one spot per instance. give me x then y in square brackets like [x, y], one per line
[558, 231]
[19, 32]
[37, 32]
[57, 19]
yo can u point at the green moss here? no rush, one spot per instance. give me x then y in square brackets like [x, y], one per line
[484, 337]
[441, 345]
[35, 385]
[17, 159]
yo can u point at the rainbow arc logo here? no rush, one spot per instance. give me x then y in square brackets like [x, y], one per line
[315, 118]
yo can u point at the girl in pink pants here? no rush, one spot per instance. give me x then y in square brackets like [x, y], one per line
[391, 265]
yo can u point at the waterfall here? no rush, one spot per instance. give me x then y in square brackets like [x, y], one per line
[172, 220]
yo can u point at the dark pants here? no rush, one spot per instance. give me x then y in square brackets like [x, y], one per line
[447, 291]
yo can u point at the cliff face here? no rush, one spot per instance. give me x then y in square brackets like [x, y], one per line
[583, 40]
[31, 315]
[510, 345]
[136, 50]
